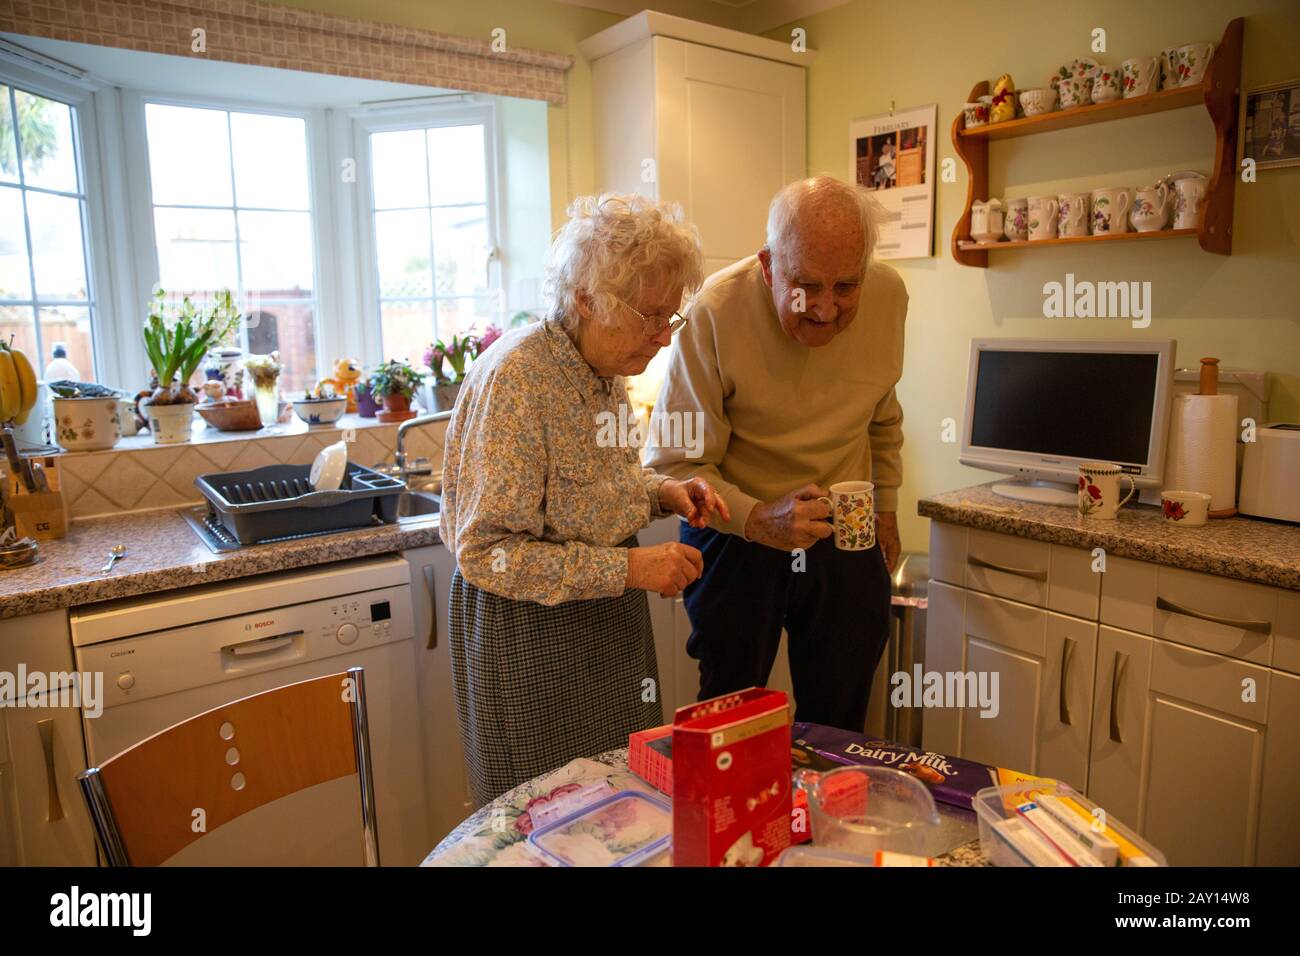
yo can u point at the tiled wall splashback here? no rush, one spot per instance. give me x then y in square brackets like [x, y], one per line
[114, 481]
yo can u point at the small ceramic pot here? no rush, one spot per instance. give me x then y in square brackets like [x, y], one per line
[1185, 509]
[1036, 102]
[86, 424]
[397, 408]
[366, 404]
[170, 424]
[444, 397]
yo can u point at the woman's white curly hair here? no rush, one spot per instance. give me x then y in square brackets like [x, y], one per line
[615, 246]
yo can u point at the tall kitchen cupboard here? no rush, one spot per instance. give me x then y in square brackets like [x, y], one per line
[709, 118]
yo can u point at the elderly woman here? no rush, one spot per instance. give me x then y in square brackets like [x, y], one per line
[551, 649]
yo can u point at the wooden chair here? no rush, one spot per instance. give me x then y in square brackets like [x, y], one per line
[228, 761]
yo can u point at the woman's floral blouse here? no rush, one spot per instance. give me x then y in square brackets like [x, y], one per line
[533, 507]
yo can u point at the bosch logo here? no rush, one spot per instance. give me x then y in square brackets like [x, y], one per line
[257, 625]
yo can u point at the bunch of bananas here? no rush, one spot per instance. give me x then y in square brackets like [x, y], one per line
[17, 385]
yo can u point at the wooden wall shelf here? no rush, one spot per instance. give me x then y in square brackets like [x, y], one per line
[1220, 91]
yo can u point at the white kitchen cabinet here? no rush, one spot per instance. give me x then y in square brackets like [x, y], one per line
[712, 119]
[1279, 833]
[447, 782]
[43, 819]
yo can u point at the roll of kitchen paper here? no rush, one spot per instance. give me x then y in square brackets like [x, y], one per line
[1202, 454]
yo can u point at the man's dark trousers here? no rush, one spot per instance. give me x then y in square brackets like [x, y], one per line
[835, 612]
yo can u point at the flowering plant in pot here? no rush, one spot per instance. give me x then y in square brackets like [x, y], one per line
[458, 354]
[176, 340]
[395, 383]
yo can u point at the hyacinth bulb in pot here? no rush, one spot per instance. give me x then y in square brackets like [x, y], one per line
[450, 363]
[395, 383]
[176, 341]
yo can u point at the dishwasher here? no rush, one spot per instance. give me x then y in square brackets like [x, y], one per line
[169, 657]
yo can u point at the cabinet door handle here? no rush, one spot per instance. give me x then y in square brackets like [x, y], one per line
[46, 728]
[1259, 627]
[1018, 572]
[433, 607]
[1067, 655]
[1118, 668]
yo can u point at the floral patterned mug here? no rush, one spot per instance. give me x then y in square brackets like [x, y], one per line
[1099, 490]
[853, 512]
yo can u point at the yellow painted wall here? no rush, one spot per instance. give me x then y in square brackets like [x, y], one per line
[1244, 308]
[537, 24]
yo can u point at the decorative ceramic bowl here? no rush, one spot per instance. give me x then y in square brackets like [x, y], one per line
[86, 424]
[320, 411]
[231, 415]
[1036, 102]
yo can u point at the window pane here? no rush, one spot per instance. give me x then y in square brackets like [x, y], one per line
[276, 253]
[15, 279]
[16, 320]
[407, 328]
[196, 249]
[71, 326]
[402, 240]
[8, 140]
[189, 155]
[290, 328]
[57, 252]
[460, 249]
[456, 165]
[398, 169]
[45, 135]
[459, 316]
[270, 160]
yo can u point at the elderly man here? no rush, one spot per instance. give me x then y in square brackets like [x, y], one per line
[791, 357]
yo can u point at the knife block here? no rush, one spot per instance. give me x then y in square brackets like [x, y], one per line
[39, 514]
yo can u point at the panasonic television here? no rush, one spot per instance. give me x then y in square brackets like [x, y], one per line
[1037, 408]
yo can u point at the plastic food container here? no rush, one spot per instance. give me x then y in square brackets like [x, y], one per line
[819, 856]
[994, 804]
[626, 829]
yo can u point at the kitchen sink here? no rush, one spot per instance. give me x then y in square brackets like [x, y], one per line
[418, 504]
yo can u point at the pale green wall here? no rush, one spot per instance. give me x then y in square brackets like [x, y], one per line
[537, 24]
[1245, 309]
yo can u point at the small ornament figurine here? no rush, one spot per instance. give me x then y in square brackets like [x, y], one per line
[1004, 100]
[214, 390]
[347, 372]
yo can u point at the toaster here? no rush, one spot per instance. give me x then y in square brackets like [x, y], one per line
[1270, 473]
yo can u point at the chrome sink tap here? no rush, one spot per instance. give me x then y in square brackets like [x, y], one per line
[419, 467]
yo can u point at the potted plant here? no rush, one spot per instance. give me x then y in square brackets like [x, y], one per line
[457, 355]
[177, 339]
[395, 382]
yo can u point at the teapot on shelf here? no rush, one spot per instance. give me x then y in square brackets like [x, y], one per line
[1151, 208]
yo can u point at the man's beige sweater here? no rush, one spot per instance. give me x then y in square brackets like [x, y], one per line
[778, 415]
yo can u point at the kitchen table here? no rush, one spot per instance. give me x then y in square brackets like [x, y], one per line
[497, 833]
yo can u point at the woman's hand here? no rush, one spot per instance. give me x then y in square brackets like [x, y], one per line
[665, 568]
[694, 499]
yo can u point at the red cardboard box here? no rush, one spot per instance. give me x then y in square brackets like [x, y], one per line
[731, 780]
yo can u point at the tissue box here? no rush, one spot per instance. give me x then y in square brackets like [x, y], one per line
[731, 780]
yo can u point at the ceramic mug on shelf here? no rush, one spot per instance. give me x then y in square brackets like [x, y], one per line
[1192, 61]
[1168, 60]
[1072, 211]
[977, 114]
[1017, 219]
[1106, 85]
[1099, 490]
[853, 512]
[1110, 208]
[1150, 208]
[1189, 195]
[1140, 75]
[1185, 509]
[1075, 91]
[986, 220]
[1042, 218]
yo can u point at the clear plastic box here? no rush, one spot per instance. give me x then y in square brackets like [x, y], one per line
[819, 856]
[993, 804]
[626, 829]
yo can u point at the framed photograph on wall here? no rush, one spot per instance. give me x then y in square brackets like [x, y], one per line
[1271, 125]
[893, 156]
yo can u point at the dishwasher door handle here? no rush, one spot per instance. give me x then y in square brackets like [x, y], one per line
[261, 645]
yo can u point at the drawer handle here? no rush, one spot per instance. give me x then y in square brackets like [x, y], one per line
[1018, 572]
[1259, 627]
[433, 608]
[46, 728]
[1066, 657]
[1118, 668]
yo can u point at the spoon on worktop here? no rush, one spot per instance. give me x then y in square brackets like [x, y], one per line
[117, 552]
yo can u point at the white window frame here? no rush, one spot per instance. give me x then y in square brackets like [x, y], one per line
[80, 95]
[144, 248]
[451, 110]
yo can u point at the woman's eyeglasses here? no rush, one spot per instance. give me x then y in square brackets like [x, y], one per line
[656, 326]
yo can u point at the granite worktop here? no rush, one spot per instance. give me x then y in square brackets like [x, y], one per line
[1264, 552]
[163, 552]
